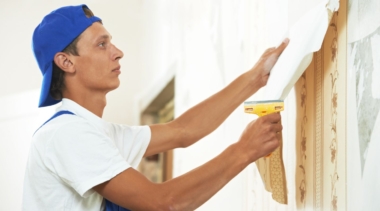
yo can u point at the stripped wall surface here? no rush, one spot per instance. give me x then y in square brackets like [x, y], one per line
[363, 105]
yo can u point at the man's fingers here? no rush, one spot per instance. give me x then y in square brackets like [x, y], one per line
[269, 50]
[276, 128]
[283, 45]
[272, 118]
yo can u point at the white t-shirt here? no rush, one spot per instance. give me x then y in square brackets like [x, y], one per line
[73, 153]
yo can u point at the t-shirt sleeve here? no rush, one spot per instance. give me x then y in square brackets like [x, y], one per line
[83, 157]
[132, 141]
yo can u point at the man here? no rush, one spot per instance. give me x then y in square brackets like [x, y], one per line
[77, 159]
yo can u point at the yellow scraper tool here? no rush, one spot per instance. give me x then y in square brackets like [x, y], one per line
[262, 108]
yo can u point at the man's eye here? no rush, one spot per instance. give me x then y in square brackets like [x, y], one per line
[102, 44]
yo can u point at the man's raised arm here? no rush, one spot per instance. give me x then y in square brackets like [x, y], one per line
[205, 117]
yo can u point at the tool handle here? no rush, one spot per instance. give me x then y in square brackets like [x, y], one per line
[264, 108]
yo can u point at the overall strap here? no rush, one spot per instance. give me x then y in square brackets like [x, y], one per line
[59, 113]
[114, 207]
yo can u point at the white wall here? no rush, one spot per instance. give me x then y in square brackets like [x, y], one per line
[18, 121]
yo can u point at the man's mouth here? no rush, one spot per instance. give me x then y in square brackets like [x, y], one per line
[117, 69]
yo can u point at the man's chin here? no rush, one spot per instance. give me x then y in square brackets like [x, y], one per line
[114, 86]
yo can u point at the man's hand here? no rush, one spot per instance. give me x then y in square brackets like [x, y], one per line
[264, 65]
[260, 137]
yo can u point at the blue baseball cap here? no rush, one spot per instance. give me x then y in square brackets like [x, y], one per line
[56, 31]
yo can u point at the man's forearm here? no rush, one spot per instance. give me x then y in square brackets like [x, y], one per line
[132, 190]
[194, 188]
[187, 192]
[205, 117]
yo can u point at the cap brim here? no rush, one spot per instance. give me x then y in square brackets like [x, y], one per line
[45, 98]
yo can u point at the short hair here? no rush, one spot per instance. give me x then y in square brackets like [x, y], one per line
[58, 83]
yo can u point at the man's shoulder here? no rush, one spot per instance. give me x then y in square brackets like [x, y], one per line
[64, 124]
[65, 120]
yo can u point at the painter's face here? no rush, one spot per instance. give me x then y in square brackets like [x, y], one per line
[97, 66]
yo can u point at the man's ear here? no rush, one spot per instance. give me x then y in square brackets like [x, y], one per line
[62, 60]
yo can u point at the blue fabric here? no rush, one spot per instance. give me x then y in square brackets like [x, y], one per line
[109, 205]
[59, 113]
[55, 32]
[114, 207]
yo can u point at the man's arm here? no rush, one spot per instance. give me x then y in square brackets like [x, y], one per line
[130, 189]
[205, 117]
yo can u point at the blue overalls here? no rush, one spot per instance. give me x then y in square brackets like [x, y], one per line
[109, 205]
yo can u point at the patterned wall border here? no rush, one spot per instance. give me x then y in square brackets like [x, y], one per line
[329, 46]
[318, 136]
[303, 183]
[334, 74]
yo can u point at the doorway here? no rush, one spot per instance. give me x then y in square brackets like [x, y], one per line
[159, 168]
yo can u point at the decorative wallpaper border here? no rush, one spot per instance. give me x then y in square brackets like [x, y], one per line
[303, 183]
[318, 136]
[334, 74]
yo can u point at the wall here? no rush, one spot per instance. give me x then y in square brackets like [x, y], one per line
[219, 41]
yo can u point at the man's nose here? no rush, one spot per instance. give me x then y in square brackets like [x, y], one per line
[118, 54]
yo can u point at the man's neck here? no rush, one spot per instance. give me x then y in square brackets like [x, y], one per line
[93, 103]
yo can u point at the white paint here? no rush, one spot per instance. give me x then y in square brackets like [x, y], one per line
[363, 19]
[351, 52]
[371, 174]
[375, 43]
[19, 118]
[354, 180]
[360, 88]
